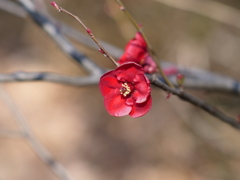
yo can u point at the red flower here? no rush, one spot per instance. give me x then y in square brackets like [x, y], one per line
[136, 51]
[126, 90]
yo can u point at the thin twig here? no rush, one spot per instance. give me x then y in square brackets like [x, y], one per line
[195, 101]
[52, 30]
[211, 110]
[27, 133]
[85, 40]
[102, 50]
[150, 48]
[195, 78]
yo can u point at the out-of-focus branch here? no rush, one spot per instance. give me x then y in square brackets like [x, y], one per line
[84, 39]
[210, 135]
[91, 67]
[26, 132]
[195, 101]
[89, 31]
[10, 133]
[12, 8]
[49, 77]
[201, 79]
[195, 78]
[52, 30]
[62, 27]
[207, 8]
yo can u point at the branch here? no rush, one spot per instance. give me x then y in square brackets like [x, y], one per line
[49, 77]
[149, 46]
[26, 132]
[208, 8]
[195, 78]
[89, 31]
[63, 28]
[10, 133]
[210, 135]
[12, 8]
[195, 101]
[52, 30]
[201, 79]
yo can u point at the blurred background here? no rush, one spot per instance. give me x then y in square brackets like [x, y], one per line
[174, 141]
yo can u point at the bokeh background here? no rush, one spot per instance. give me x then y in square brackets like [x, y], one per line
[174, 141]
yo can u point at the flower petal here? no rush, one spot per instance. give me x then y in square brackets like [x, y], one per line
[139, 109]
[142, 88]
[128, 71]
[115, 104]
[139, 38]
[108, 84]
[149, 64]
[133, 54]
[130, 101]
[135, 50]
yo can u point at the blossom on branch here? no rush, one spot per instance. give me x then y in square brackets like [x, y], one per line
[136, 51]
[126, 90]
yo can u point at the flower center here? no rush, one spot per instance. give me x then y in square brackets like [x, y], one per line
[126, 89]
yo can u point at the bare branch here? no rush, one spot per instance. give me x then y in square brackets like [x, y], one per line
[26, 132]
[72, 33]
[12, 8]
[149, 46]
[210, 135]
[101, 48]
[197, 102]
[50, 77]
[52, 30]
[201, 79]
[195, 78]
[10, 133]
[84, 39]
[208, 8]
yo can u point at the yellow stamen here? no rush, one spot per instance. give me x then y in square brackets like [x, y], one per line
[126, 90]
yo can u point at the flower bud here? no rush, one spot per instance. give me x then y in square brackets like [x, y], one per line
[122, 8]
[55, 6]
[89, 31]
[168, 95]
[180, 79]
[101, 51]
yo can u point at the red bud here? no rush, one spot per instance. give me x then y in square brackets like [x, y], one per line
[168, 95]
[122, 8]
[180, 79]
[101, 51]
[55, 5]
[89, 31]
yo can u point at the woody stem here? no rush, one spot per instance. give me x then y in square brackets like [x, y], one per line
[102, 50]
[152, 52]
